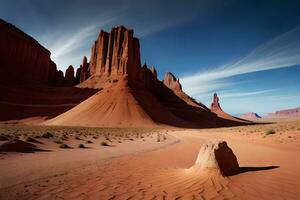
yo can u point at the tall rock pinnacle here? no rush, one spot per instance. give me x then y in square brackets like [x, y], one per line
[116, 53]
[215, 105]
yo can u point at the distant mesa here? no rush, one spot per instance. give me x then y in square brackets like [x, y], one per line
[112, 87]
[288, 113]
[252, 116]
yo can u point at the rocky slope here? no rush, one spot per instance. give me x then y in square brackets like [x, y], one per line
[131, 94]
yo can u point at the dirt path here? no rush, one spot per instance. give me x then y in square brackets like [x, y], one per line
[268, 173]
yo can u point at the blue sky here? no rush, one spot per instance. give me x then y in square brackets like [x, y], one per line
[246, 51]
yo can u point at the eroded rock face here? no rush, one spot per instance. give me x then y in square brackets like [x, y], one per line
[22, 58]
[148, 78]
[172, 82]
[217, 155]
[24, 61]
[215, 105]
[69, 76]
[84, 70]
[116, 53]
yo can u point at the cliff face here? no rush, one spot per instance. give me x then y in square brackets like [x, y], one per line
[22, 58]
[288, 113]
[115, 54]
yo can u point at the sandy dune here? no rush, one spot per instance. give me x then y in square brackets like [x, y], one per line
[267, 172]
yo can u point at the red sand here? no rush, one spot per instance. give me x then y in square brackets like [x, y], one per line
[268, 172]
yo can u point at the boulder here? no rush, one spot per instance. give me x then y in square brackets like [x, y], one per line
[216, 155]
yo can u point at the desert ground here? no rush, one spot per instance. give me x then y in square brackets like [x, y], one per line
[144, 163]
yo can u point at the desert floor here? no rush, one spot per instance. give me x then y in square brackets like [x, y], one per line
[148, 163]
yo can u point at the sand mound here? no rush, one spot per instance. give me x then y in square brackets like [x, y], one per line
[18, 146]
[119, 105]
[217, 155]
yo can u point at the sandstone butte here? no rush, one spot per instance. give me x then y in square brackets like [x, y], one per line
[287, 113]
[250, 116]
[216, 108]
[121, 92]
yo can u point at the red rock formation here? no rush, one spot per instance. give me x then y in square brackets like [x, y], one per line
[85, 70]
[250, 116]
[78, 75]
[154, 72]
[148, 78]
[215, 105]
[172, 82]
[288, 113]
[115, 53]
[60, 78]
[69, 76]
[22, 58]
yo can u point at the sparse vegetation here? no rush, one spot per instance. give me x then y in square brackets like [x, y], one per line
[89, 142]
[58, 141]
[47, 135]
[104, 144]
[270, 132]
[81, 146]
[64, 146]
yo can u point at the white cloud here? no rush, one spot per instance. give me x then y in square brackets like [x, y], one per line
[282, 51]
[245, 94]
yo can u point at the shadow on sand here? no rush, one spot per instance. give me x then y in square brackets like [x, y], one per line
[253, 169]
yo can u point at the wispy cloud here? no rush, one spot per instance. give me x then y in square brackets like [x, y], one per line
[282, 51]
[246, 94]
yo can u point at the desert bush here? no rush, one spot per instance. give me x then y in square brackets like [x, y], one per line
[81, 146]
[89, 142]
[64, 146]
[270, 132]
[104, 144]
[47, 135]
[77, 138]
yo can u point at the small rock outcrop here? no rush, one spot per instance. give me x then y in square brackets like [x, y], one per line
[69, 76]
[84, 70]
[215, 105]
[217, 155]
[172, 82]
